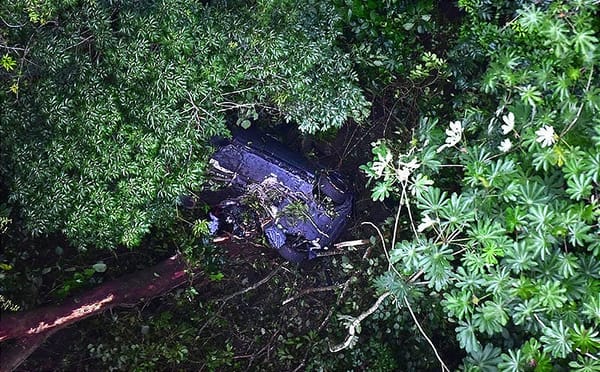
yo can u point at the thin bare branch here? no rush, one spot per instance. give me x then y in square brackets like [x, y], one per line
[11, 25]
[356, 322]
[380, 237]
[253, 287]
[437, 355]
[312, 290]
[351, 243]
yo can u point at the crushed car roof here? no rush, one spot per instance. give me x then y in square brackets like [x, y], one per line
[302, 209]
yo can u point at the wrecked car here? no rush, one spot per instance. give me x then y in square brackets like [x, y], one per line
[269, 193]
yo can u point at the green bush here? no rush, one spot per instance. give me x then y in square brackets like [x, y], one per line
[502, 204]
[112, 105]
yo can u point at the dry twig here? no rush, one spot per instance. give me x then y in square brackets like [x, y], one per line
[312, 290]
[356, 323]
[253, 287]
[437, 355]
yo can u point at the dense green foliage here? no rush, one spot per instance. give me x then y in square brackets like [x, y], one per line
[486, 156]
[113, 105]
[511, 241]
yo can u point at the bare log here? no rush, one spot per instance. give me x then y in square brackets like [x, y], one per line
[124, 291]
[15, 354]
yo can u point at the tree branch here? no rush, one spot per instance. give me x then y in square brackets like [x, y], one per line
[437, 355]
[124, 291]
[312, 290]
[253, 287]
[356, 322]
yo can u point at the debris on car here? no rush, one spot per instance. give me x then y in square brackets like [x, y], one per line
[267, 192]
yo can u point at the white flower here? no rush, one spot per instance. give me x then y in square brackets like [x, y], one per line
[454, 133]
[413, 164]
[505, 145]
[509, 121]
[405, 169]
[426, 222]
[454, 130]
[402, 174]
[546, 136]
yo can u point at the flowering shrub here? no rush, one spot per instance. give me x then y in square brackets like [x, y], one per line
[502, 205]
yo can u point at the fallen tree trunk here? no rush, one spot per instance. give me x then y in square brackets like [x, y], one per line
[31, 328]
[18, 352]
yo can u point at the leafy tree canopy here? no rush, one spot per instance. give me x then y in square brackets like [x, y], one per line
[111, 105]
[509, 240]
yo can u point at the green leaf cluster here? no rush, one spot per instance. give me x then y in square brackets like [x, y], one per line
[117, 102]
[510, 241]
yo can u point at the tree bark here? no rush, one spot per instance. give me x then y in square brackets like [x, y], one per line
[15, 354]
[31, 328]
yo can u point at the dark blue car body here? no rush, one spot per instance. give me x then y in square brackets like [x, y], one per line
[299, 208]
